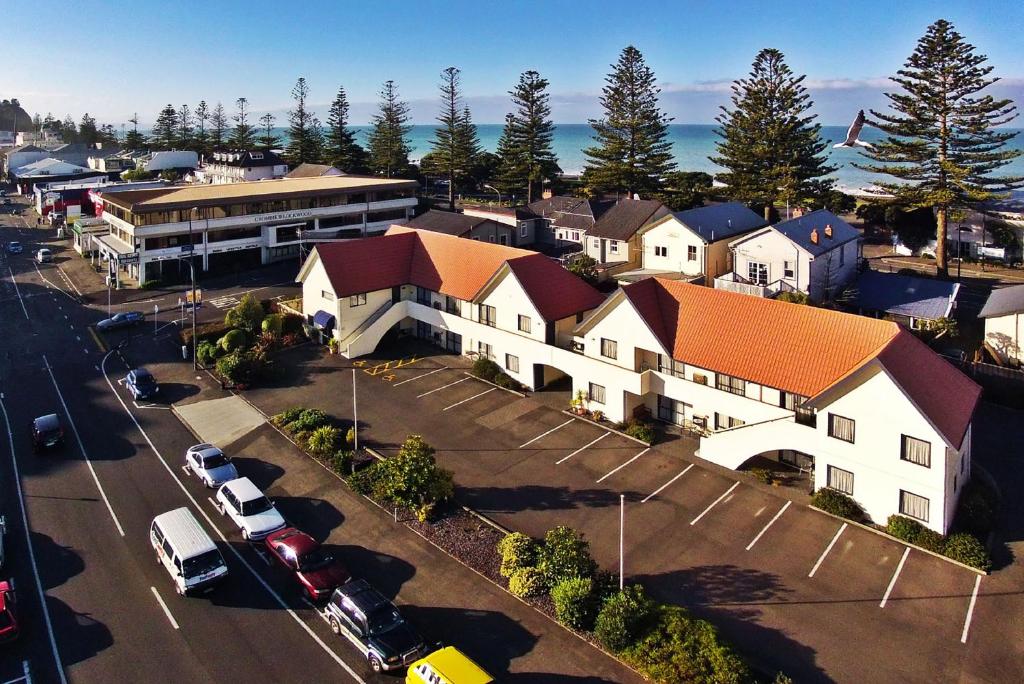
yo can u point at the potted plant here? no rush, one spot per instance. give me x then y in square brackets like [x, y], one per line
[578, 405]
[332, 345]
[598, 416]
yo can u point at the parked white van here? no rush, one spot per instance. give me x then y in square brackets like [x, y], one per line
[186, 551]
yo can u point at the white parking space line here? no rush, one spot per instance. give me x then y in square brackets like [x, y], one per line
[438, 389]
[546, 433]
[662, 487]
[167, 612]
[970, 610]
[827, 549]
[436, 370]
[475, 396]
[715, 503]
[622, 465]
[895, 575]
[586, 446]
[18, 292]
[770, 523]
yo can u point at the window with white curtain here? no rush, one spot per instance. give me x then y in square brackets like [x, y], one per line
[596, 393]
[840, 427]
[840, 480]
[916, 451]
[914, 506]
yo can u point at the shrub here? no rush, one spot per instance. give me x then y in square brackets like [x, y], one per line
[290, 339]
[837, 503]
[350, 436]
[367, 480]
[931, 540]
[287, 416]
[641, 431]
[308, 420]
[150, 285]
[247, 315]
[233, 341]
[517, 551]
[204, 331]
[207, 353]
[234, 367]
[565, 554]
[486, 369]
[324, 440]
[678, 648]
[793, 297]
[969, 550]
[506, 381]
[291, 324]
[526, 582]
[575, 602]
[413, 480]
[622, 617]
[274, 323]
[762, 475]
[341, 462]
[903, 528]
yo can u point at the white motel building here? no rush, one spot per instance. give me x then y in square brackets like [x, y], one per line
[861, 403]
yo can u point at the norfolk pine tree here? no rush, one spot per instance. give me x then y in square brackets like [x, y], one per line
[510, 176]
[770, 146]
[268, 139]
[185, 139]
[305, 139]
[202, 139]
[939, 139]
[455, 143]
[341, 149]
[218, 127]
[134, 140]
[243, 136]
[632, 154]
[165, 130]
[532, 131]
[388, 141]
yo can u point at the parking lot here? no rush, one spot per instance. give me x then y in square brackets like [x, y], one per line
[795, 588]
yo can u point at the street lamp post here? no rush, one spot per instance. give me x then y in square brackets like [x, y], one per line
[497, 192]
[622, 546]
[192, 272]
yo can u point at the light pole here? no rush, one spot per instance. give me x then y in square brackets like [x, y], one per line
[192, 271]
[622, 532]
[355, 415]
[496, 192]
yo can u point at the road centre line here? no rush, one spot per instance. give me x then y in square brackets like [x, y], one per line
[970, 610]
[622, 465]
[892, 582]
[586, 446]
[827, 549]
[436, 370]
[81, 446]
[18, 292]
[70, 282]
[546, 433]
[31, 550]
[715, 503]
[662, 487]
[488, 391]
[167, 612]
[241, 559]
[770, 523]
[438, 389]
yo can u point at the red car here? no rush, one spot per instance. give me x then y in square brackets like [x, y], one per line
[316, 571]
[8, 612]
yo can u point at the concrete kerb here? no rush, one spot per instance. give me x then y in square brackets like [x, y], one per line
[488, 382]
[605, 426]
[886, 535]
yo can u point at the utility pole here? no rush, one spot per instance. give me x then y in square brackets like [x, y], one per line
[355, 415]
[192, 271]
[622, 546]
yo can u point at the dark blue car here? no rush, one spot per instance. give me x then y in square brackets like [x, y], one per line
[121, 320]
[141, 384]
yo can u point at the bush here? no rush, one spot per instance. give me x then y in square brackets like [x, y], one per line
[931, 540]
[793, 297]
[413, 480]
[517, 551]
[308, 420]
[287, 416]
[837, 503]
[207, 353]
[233, 341]
[575, 603]
[204, 331]
[968, 549]
[150, 285]
[506, 381]
[977, 509]
[350, 436]
[341, 462]
[485, 369]
[641, 431]
[274, 323]
[526, 582]
[247, 315]
[678, 648]
[367, 480]
[565, 554]
[237, 368]
[903, 528]
[622, 618]
[324, 440]
[762, 475]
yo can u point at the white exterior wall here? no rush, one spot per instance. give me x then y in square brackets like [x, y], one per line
[592, 247]
[172, 159]
[774, 249]
[623, 325]
[1004, 334]
[313, 287]
[678, 239]
[509, 301]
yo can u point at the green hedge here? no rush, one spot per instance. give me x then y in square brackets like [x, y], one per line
[623, 617]
[575, 602]
[564, 555]
[903, 528]
[526, 582]
[837, 503]
[968, 549]
[517, 550]
[307, 421]
[485, 369]
[642, 431]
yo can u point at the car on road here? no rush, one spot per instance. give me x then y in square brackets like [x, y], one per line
[121, 320]
[186, 551]
[47, 432]
[141, 384]
[44, 256]
[360, 613]
[317, 571]
[8, 611]
[448, 665]
[249, 508]
[14, 247]
[210, 464]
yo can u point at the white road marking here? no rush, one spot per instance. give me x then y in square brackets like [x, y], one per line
[50, 284]
[436, 370]
[715, 503]
[151, 406]
[895, 575]
[70, 282]
[622, 465]
[662, 487]
[970, 610]
[81, 445]
[827, 549]
[475, 396]
[167, 612]
[585, 446]
[770, 523]
[31, 550]
[546, 433]
[241, 559]
[18, 292]
[438, 389]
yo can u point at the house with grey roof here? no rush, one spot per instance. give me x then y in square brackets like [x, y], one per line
[614, 239]
[564, 220]
[914, 301]
[1003, 314]
[461, 225]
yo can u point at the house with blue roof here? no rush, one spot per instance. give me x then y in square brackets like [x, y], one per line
[914, 301]
[816, 254]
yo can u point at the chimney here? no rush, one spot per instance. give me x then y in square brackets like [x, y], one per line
[814, 236]
[828, 230]
[546, 194]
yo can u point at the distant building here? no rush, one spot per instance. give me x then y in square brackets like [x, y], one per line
[563, 220]
[113, 163]
[469, 227]
[237, 166]
[49, 171]
[1003, 314]
[8, 139]
[179, 161]
[613, 241]
[307, 170]
[524, 220]
[911, 300]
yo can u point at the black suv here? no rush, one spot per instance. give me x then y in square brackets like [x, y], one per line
[359, 612]
[46, 432]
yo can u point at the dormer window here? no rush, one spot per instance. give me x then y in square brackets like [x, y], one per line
[256, 155]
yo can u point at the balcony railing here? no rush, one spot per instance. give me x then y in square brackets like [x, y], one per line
[734, 282]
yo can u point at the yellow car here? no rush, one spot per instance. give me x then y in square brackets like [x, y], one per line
[446, 666]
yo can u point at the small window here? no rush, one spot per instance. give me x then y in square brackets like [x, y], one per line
[596, 393]
[613, 246]
[488, 316]
[842, 255]
[490, 238]
[597, 243]
[329, 296]
[841, 428]
[728, 383]
[524, 229]
[357, 299]
[840, 480]
[723, 421]
[660, 251]
[511, 363]
[524, 323]
[484, 350]
[609, 348]
[916, 451]
[914, 506]
[787, 269]
[691, 253]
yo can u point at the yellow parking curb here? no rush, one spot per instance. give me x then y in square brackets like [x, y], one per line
[97, 340]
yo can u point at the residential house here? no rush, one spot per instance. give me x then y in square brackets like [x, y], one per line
[24, 155]
[1003, 314]
[470, 227]
[522, 218]
[816, 254]
[307, 170]
[564, 221]
[49, 170]
[911, 300]
[236, 166]
[613, 240]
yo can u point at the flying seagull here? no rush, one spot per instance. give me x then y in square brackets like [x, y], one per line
[854, 132]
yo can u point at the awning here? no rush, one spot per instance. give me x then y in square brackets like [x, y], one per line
[323, 320]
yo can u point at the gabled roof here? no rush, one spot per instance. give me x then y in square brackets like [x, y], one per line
[720, 221]
[800, 349]
[575, 213]
[904, 295]
[448, 222]
[623, 220]
[307, 170]
[1003, 302]
[246, 158]
[799, 231]
[452, 266]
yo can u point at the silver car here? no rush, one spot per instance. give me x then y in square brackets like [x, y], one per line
[210, 464]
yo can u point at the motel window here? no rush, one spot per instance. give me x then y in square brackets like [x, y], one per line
[490, 238]
[723, 421]
[524, 230]
[596, 393]
[757, 273]
[511, 363]
[841, 428]
[576, 235]
[669, 366]
[524, 323]
[613, 246]
[488, 315]
[329, 296]
[357, 299]
[597, 244]
[787, 269]
[484, 350]
[840, 480]
[913, 506]
[731, 384]
[842, 255]
[660, 251]
[691, 253]
[916, 451]
[609, 348]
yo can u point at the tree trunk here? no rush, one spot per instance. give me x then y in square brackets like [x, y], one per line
[451, 191]
[941, 258]
[768, 212]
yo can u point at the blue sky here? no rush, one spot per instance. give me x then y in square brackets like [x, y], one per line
[113, 58]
